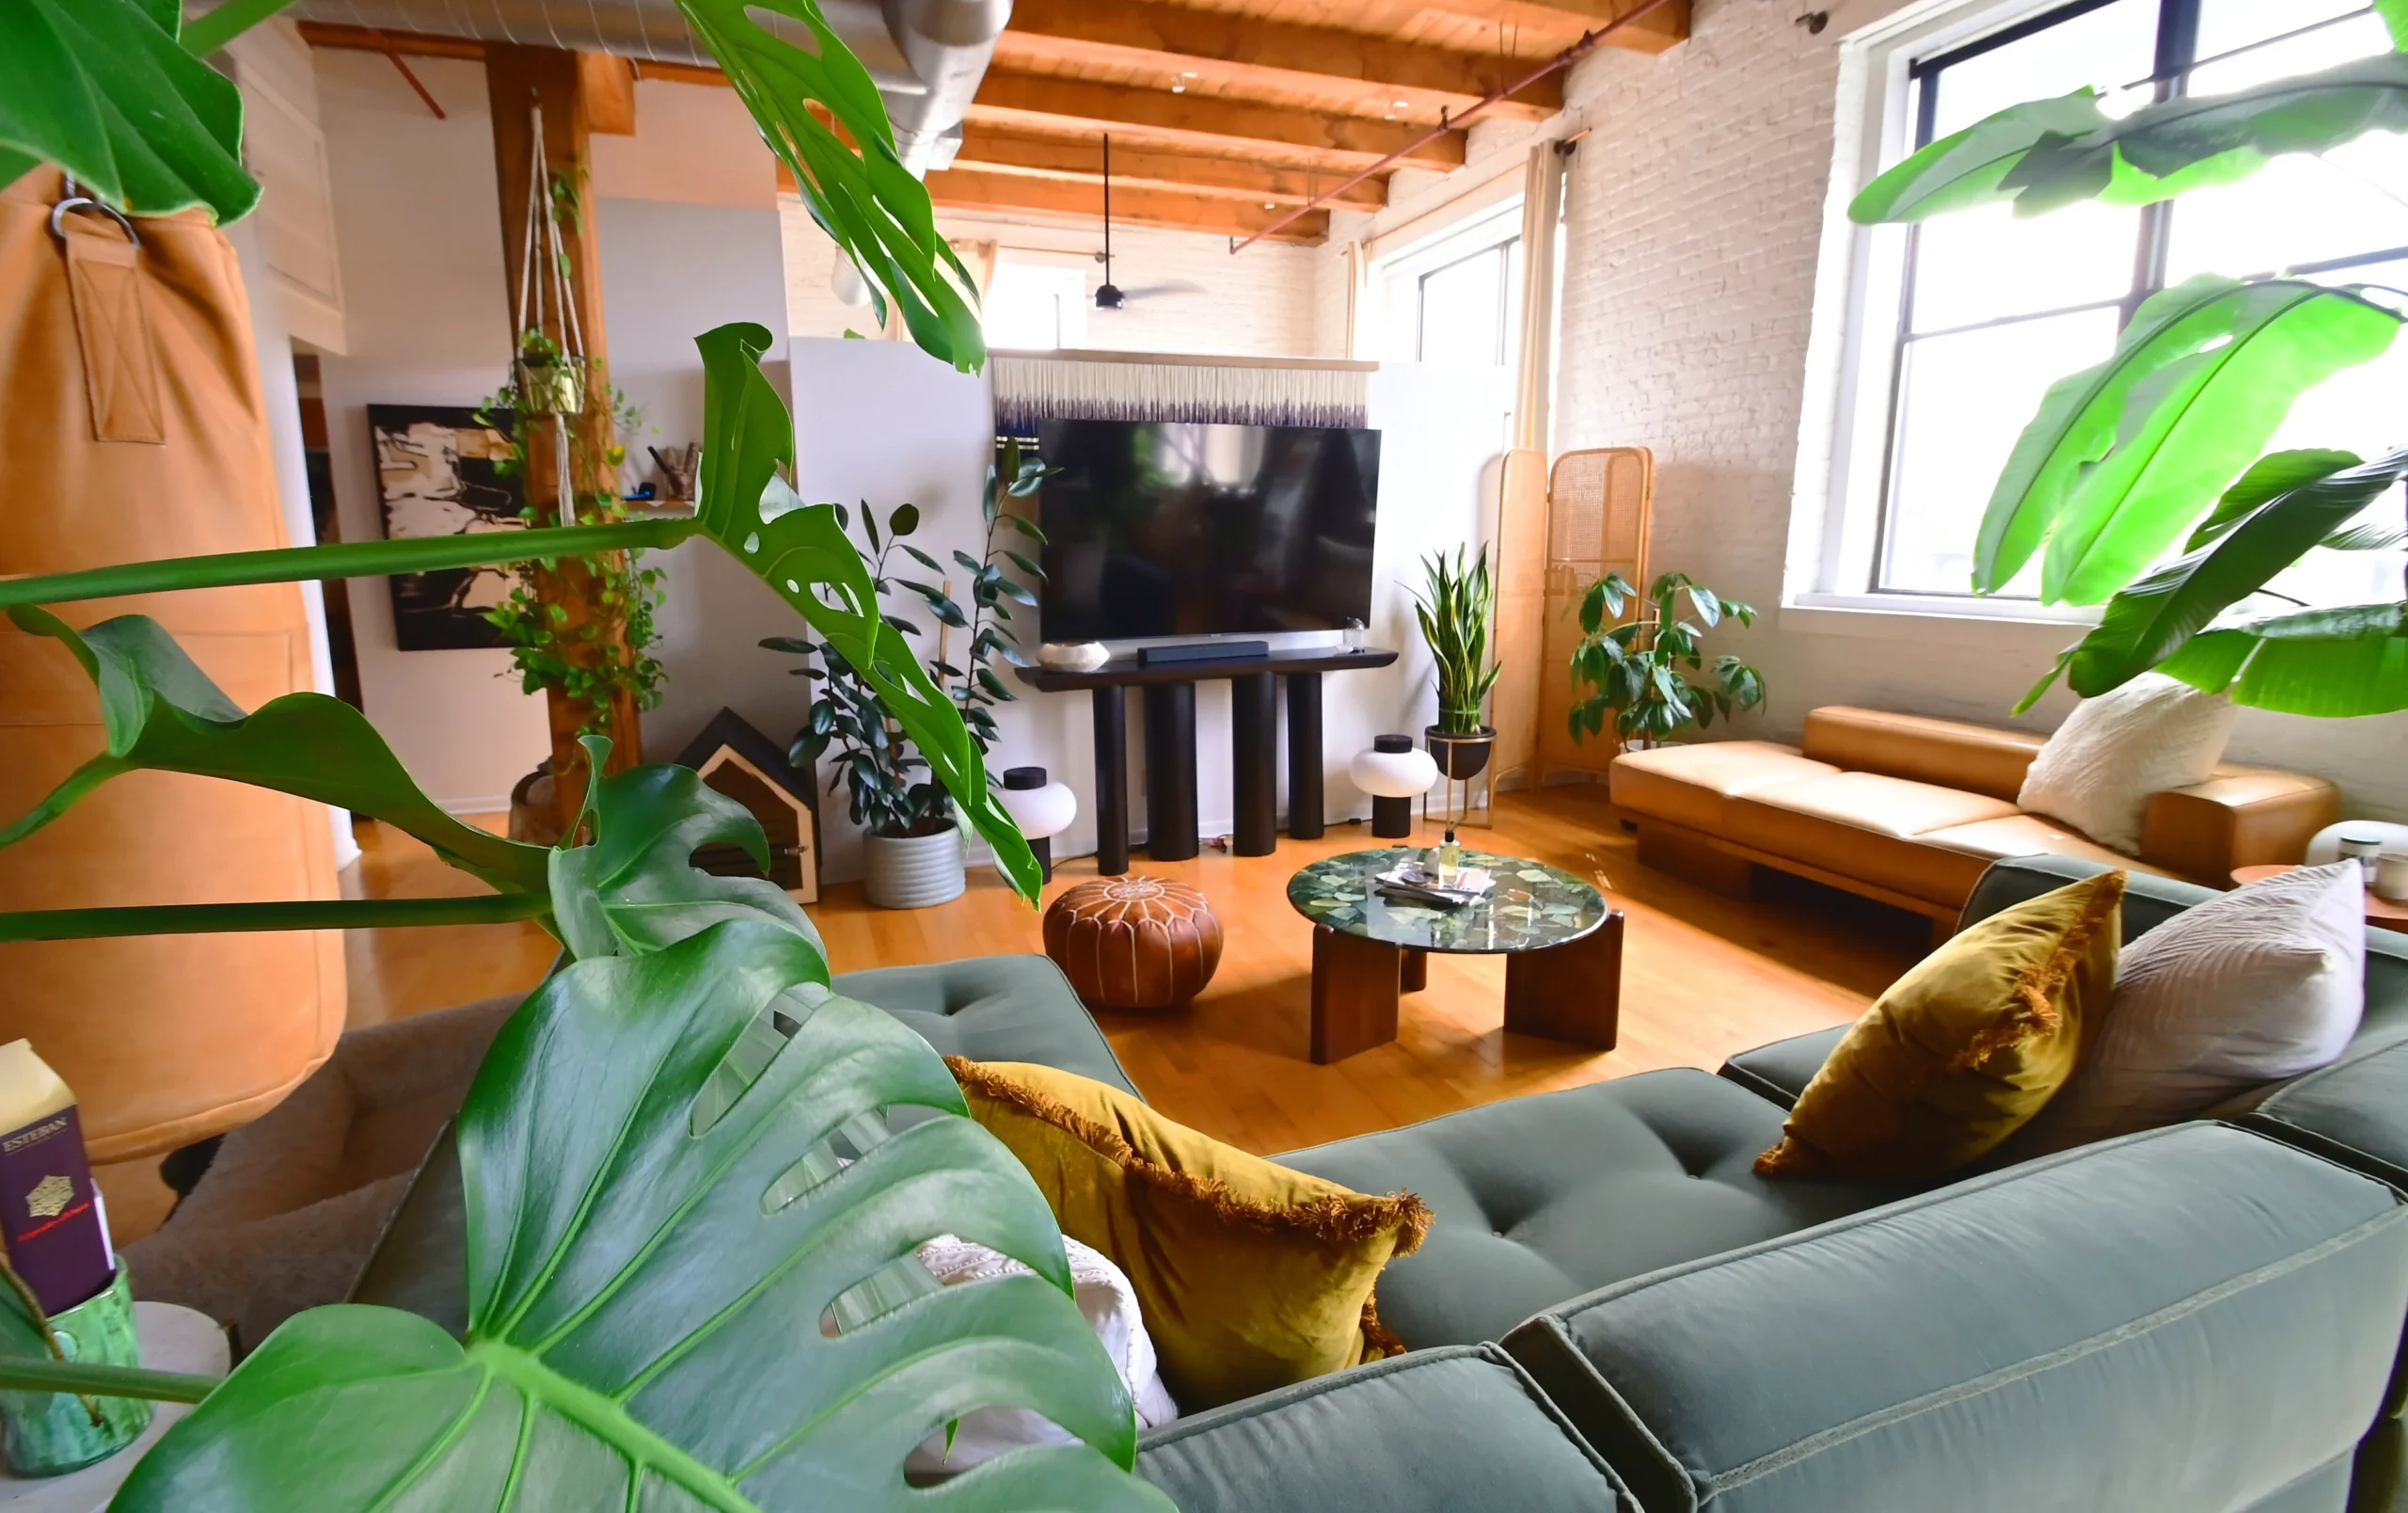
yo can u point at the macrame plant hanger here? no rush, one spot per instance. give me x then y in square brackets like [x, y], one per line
[555, 389]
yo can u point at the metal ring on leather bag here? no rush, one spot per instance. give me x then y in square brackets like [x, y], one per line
[86, 202]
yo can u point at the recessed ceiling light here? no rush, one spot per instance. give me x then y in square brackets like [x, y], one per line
[1179, 88]
[1401, 105]
[1271, 204]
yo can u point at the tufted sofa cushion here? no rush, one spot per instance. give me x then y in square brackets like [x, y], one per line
[1435, 1431]
[1540, 1199]
[994, 1009]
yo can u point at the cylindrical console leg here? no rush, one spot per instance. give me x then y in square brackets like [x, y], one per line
[1254, 763]
[1304, 755]
[1170, 771]
[1111, 781]
[1392, 819]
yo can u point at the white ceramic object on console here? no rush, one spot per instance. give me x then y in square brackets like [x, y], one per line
[1041, 812]
[1073, 656]
[2326, 845]
[1393, 775]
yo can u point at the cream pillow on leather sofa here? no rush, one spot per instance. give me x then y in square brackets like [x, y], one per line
[2263, 983]
[2098, 772]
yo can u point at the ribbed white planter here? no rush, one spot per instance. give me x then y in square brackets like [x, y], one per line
[913, 871]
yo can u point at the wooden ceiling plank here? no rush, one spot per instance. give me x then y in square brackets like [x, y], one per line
[1652, 33]
[1274, 56]
[1169, 210]
[995, 149]
[1211, 122]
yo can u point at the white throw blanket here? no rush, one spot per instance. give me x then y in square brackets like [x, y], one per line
[1110, 1305]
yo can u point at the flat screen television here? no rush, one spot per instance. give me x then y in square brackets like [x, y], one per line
[1180, 530]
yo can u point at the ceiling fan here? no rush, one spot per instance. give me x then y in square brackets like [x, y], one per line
[1109, 296]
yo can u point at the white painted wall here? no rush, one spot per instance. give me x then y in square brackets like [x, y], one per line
[670, 271]
[419, 229]
[1259, 303]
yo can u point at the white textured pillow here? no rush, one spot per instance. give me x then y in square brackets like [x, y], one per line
[2097, 772]
[2263, 983]
[1109, 1302]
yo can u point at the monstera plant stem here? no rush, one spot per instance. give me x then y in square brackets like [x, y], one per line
[236, 918]
[24, 1374]
[347, 559]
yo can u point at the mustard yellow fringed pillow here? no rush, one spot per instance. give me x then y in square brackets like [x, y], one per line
[1250, 1276]
[1964, 1048]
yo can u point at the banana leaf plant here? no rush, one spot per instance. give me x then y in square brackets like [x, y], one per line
[2164, 438]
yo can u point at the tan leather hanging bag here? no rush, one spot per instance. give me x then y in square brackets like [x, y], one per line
[131, 427]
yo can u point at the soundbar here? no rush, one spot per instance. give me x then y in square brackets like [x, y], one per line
[1203, 651]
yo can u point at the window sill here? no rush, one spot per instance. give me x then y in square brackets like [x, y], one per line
[1946, 620]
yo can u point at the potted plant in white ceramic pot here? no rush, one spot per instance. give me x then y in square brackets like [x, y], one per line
[1454, 608]
[911, 842]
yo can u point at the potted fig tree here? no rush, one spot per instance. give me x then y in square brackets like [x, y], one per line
[911, 841]
[1454, 605]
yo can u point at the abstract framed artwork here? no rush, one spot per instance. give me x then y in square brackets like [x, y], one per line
[438, 473]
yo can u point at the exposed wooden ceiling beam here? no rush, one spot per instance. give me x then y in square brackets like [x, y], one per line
[1171, 210]
[368, 40]
[1651, 33]
[1000, 150]
[1271, 57]
[1207, 123]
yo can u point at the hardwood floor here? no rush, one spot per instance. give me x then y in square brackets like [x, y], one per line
[1703, 976]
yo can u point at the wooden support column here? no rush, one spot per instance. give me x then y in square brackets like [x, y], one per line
[516, 79]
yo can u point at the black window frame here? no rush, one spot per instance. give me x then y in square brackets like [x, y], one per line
[2176, 59]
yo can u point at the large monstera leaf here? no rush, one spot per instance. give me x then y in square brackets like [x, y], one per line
[102, 89]
[2054, 152]
[635, 889]
[860, 194]
[164, 714]
[2122, 457]
[650, 1273]
[800, 550]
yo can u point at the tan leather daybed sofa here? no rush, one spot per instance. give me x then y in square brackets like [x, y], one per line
[1910, 811]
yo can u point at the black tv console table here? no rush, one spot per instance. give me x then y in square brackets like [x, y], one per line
[1170, 746]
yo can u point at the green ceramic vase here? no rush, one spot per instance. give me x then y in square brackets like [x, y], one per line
[47, 1434]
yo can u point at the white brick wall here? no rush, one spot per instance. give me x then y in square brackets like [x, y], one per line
[1259, 303]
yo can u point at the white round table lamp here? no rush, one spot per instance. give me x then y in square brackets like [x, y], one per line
[1042, 809]
[1394, 772]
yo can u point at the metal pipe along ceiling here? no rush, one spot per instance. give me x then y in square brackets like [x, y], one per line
[927, 56]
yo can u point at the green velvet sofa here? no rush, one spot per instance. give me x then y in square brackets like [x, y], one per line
[1613, 1312]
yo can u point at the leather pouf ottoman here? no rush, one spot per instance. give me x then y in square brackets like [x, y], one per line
[1133, 941]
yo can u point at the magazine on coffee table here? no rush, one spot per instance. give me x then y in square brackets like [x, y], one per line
[1416, 881]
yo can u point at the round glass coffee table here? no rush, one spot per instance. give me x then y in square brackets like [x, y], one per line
[1561, 943]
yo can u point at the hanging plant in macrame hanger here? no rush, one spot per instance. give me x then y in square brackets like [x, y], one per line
[549, 373]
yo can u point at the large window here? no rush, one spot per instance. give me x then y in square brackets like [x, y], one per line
[1989, 310]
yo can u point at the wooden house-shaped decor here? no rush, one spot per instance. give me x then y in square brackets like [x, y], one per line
[737, 760]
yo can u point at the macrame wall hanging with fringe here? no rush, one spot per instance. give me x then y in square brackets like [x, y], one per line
[1215, 390]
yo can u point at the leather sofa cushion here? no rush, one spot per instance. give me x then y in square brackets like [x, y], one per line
[1540, 1199]
[1689, 785]
[2027, 834]
[2190, 1320]
[1866, 826]
[1951, 755]
[1435, 1431]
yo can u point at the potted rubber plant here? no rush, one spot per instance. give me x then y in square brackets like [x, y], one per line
[911, 852]
[1454, 605]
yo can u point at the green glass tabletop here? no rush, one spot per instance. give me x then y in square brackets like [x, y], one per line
[1534, 905]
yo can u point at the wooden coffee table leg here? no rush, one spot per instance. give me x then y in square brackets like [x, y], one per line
[1354, 992]
[1571, 992]
[1414, 975]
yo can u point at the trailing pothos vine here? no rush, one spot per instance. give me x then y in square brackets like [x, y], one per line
[624, 592]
